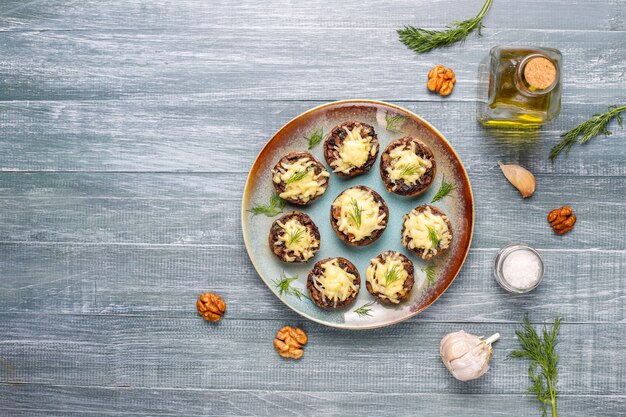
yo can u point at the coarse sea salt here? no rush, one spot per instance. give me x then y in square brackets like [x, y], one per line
[522, 268]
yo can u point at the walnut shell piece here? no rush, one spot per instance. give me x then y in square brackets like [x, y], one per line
[441, 80]
[290, 341]
[562, 220]
[211, 306]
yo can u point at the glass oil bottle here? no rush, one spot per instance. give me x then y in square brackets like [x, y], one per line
[519, 87]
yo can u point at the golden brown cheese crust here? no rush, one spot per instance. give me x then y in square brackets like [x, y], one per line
[319, 171]
[335, 140]
[399, 186]
[278, 245]
[335, 214]
[407, 285]
[420, 251]
[316, 295]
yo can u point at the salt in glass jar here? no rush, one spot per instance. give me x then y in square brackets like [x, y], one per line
[518, 268]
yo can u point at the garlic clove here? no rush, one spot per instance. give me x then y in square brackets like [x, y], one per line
[520, 177]
[466, 356]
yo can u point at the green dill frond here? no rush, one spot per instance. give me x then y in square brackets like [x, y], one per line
[275, 206]
[430, 274]
[296, 235]
[394, 122]
[542, 371]
[283, 285]
[365, 310]
[432, 235]
[315, 137]
[298, 176]
[423, 40]
[409, 170]
[445, 189]
[587, 130]
[356, 213]
[391, 275]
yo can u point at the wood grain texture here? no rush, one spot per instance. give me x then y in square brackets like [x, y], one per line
[126, 132]
[166, 281]
[191, 353]
[202, 135]
[71, 401]
[280, 63]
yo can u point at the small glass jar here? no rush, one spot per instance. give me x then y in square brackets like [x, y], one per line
[518, 268]
[519, 87]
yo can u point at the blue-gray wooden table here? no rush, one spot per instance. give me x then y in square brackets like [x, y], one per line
[126, 132]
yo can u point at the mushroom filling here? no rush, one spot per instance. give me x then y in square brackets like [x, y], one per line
[405, 165]
[297, 239]
[335, 284]
[354, 150]
[300, 179]
[359, 214]
[387, 276]
[427, 231]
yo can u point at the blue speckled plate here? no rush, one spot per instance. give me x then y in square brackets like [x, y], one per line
[459, 206]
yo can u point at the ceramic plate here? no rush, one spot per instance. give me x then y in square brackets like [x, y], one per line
[458, 205]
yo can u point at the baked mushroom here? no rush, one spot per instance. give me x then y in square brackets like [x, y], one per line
[359, 215]
[389, 277]
[333, 283]
[407, 167]
[294, 237]
[300, 178]
[351, 148]
[426, 231]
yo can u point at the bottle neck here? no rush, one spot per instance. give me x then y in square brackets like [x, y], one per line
[536, 75]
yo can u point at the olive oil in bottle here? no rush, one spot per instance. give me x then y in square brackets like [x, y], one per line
[519, 87]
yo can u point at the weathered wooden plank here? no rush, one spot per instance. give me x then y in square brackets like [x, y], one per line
[280, 63]
[583, 286]
[501, 216]
[225, 136]
[197, 14]
[67, 401]
[235, 354]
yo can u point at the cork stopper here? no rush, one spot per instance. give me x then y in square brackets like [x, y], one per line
[540, 73]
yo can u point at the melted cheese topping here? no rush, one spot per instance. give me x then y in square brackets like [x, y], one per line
[335, 284]
[416, 232]
[354, 151]
[306, 188]
[377, 274]
[302, 245]
[405, 165]
[371, 218]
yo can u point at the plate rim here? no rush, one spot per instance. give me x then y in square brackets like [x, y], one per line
[246, 194]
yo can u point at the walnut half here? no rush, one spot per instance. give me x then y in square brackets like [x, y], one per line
[211, 306]
[562, 220]
[441, 80]
[289, 342]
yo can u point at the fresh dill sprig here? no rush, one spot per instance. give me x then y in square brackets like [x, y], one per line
[295, 236]
[365, 310]
[587, 130]
[283, 285]
[423, 40]
[394, 121]
[315, 137]
[543, 361]
[409, 170]
[445, 189]
[298, 176]
[430, 274]
[355, 214]
[432, 235]
[391, 275]
[275, 207]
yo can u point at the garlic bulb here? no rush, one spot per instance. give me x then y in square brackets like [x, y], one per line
[466, 356]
